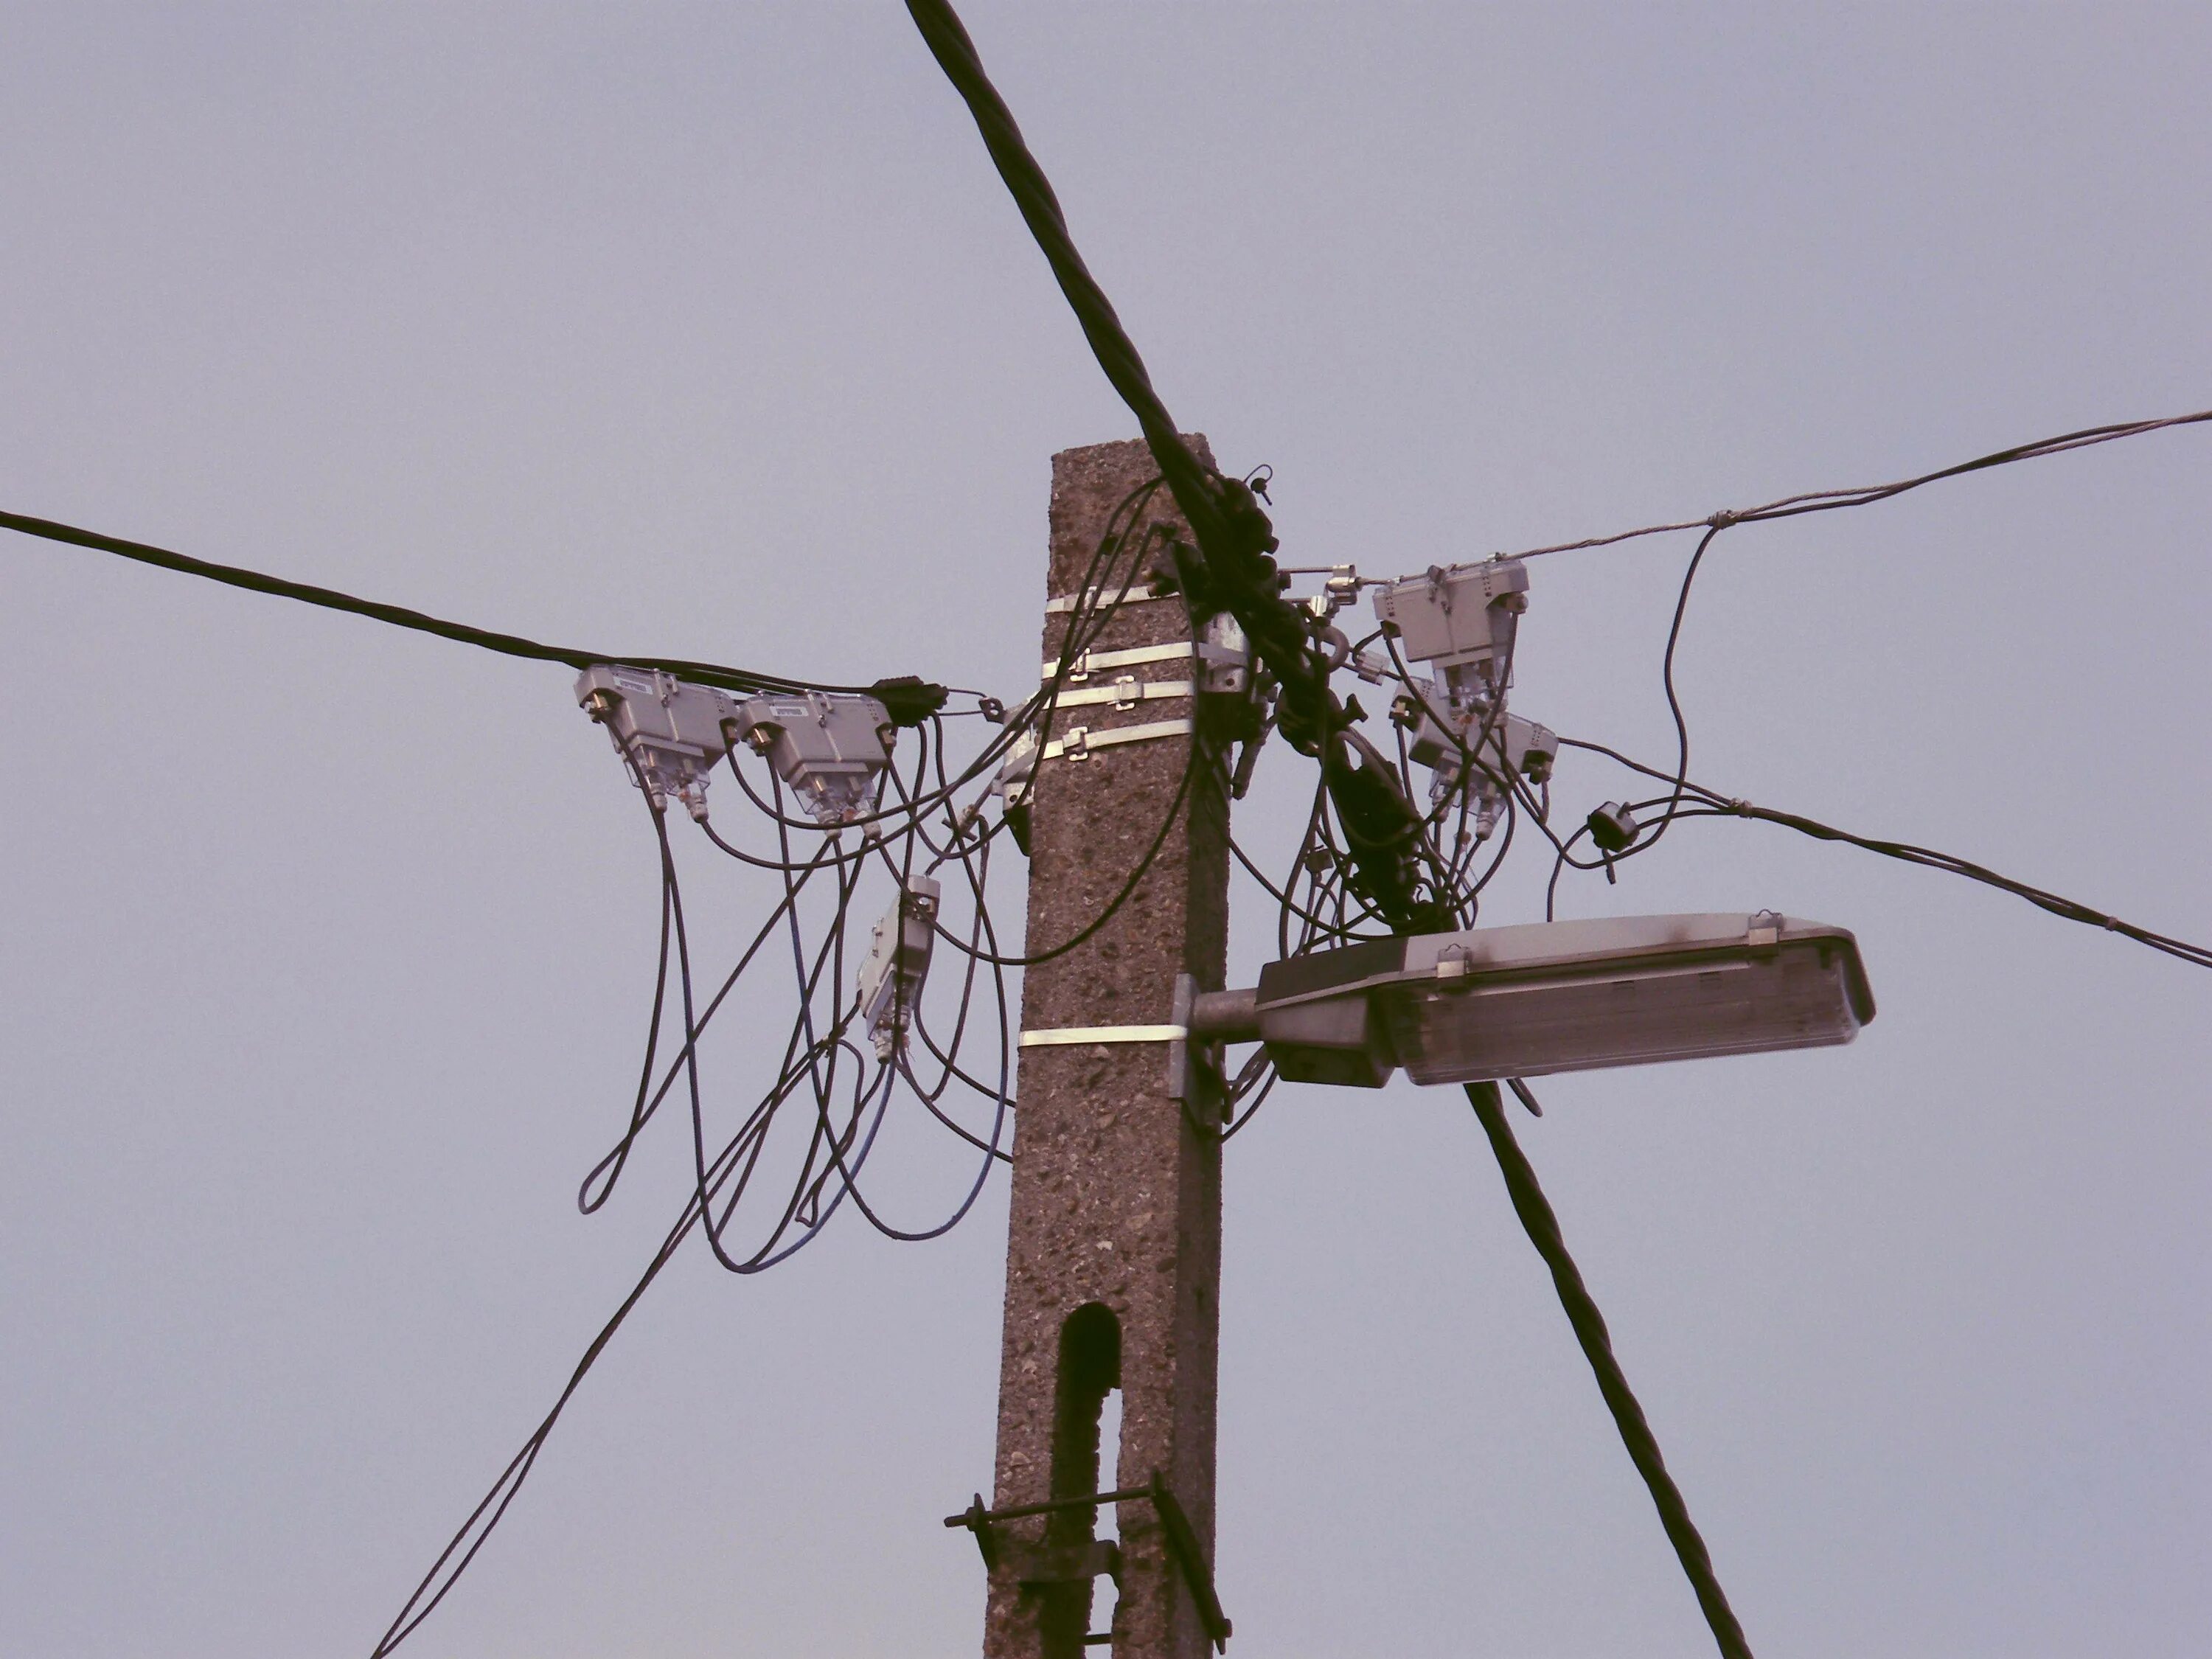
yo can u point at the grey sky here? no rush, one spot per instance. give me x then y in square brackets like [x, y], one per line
[707, 330]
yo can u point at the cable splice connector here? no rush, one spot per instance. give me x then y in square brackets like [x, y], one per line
[891, 975]
[829, 748]
[672, 733]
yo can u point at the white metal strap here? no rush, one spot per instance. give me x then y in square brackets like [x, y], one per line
[1087, 663]
[1124, 693]
[1079, 742]
[1067, 602]
[1073, 1034]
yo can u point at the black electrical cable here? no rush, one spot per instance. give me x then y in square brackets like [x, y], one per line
[1034, 716]
[1231, 567]
[1001, 1096]
[1285, 902]
[975, 1191]
[1667, 679]
[816, 1048]
[446, 1570]
[610, 1166]
[904, 691]
[424, 1601]
[978, 872]
[819, 1048]
[1711, 803]
[690, 1016]
[1542, 1227]
[639, 1120]
[1259, 1098]
[2057, 904]
[1822, 500]
[1300, 869]
[1028, 958]
[614, 1161]
[1040, 210]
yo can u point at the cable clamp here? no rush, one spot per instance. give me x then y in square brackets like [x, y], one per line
[1724, 518]
[1057, 1035]
[1079, 741]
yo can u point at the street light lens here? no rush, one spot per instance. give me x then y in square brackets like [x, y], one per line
[1792, 996]
[1525, 1001]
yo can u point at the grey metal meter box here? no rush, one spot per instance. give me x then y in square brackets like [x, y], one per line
[827, 747]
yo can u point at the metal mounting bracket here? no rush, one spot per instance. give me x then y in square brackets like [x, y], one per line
[1194, 1074]
[1181, 1539]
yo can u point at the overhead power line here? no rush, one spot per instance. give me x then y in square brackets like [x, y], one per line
[1542, 1227]
[956, 54]
[909, 699]
[1704, 802]
[1231, 569]
[1823, 501]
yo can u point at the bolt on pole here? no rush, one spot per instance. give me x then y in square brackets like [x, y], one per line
[1113, 1249]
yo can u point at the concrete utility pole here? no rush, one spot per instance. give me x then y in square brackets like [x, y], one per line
[1114, 1256]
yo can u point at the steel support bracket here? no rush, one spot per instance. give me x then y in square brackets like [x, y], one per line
[1066, 1564]
[1194, 1071]
[978, 1520]
[1183, 1545]
[1040, 1564]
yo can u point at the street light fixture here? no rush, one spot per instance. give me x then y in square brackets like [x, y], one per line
[1569, 996]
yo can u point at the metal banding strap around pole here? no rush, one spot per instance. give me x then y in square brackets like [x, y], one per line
[1079, 741]
[1087, 663]
[1125, 693]
[1059, 1035]
[1067, 602]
